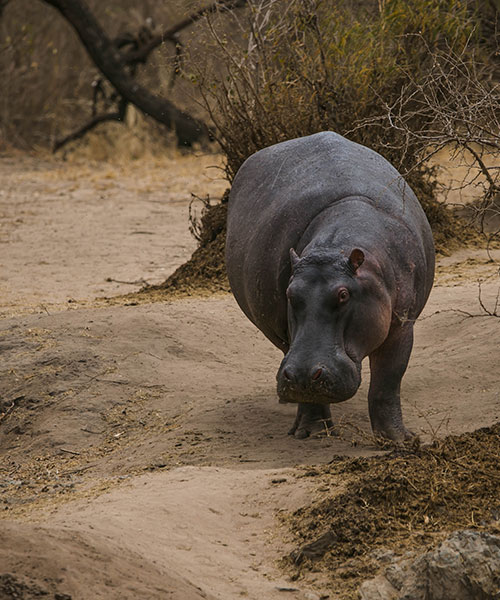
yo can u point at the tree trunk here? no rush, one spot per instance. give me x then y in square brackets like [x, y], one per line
[109, 61]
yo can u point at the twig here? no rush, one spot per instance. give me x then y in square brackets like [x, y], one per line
[119, 115]
[73, 471]
[481, 303]
[90, 431]
[45, 309]
[69, 451]
[140, 281]
[7, 411]
[484, 169]
[141, 54]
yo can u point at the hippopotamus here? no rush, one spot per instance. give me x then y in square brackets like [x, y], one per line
[330, 255]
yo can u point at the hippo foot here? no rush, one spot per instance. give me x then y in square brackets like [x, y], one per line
[311, 419]
[394, 434]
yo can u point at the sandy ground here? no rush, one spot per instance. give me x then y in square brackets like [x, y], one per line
[83, 230]
[143, 450]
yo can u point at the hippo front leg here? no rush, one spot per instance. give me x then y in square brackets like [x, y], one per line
[388, 365]
[311, 419]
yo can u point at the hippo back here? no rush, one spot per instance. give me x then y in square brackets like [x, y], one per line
[278, 192]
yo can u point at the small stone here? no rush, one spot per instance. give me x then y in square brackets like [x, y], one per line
[466, 565]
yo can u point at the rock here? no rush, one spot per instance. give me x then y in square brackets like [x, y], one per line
[465, 566]
[311, 596]
[384, 556]
[377, 589]
[396, 574]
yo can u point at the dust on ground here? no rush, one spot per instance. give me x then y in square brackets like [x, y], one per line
[146, 436]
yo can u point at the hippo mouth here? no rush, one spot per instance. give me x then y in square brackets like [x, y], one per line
[330, 387]
[322, 393]
[289, 394]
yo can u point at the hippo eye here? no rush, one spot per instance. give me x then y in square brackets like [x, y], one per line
[295, 298]
[343, 295]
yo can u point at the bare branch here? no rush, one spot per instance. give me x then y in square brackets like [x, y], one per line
[142, 53]
[119, 115]
[490, 313]
[3, 4]
[484, 169]
[109, 61]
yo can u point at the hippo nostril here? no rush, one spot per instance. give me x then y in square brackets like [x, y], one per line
[287, 375]
[317, 374]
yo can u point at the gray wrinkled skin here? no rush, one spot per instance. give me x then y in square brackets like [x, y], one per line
[330, 255]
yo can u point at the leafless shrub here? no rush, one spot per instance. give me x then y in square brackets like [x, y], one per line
[457, 105]
[195, 219]
[207, 218]
[405, 79]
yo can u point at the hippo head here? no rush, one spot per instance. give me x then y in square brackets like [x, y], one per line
[338, 313]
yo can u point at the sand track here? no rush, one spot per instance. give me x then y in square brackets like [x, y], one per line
[143, 450]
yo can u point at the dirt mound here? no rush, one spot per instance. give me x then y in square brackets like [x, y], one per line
[405, 500]
[63, 564]
[205, 271]
[22, 588]
[452, 228]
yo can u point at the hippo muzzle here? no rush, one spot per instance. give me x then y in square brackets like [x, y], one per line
[318, 381]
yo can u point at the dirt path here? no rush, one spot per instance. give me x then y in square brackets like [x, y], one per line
[148, 438]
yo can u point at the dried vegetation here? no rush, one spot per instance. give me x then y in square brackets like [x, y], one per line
[52, 87]
[404, 79]
[405, 500]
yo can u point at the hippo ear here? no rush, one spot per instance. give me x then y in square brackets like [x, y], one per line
[356, 259]
[294, 258]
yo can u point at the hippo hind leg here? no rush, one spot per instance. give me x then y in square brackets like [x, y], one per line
[311, 419]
